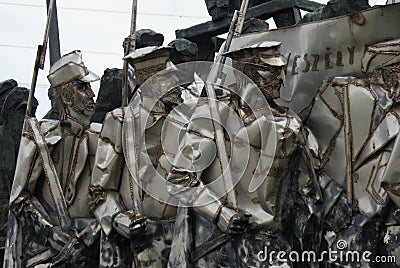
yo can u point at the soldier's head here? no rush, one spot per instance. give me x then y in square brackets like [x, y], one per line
[263, 64]
[5, 88]
[149, 61]
[71, 80]
[381, 63]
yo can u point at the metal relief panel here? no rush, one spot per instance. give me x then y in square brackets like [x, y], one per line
[392, 174]
[332, 96]
[321, 50]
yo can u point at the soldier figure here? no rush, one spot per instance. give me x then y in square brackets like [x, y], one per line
[289, 192]
[137, 225]
[51, 220]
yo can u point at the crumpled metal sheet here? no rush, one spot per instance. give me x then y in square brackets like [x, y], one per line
[390, 236]
[147, 250]
[371, 129]
[354, 123]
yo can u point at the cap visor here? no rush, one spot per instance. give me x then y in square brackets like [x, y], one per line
[90, 77]
[274, 61]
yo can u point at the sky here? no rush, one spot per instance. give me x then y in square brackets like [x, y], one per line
[96, 27]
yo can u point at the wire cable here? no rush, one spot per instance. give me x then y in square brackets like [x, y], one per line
[65, 50]
[106, 11]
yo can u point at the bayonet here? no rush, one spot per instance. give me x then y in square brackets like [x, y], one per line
[51, 175]
[129, 46]
[216, 77]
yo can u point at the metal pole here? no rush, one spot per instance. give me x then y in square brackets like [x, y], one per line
[54, 39]
[129, 46]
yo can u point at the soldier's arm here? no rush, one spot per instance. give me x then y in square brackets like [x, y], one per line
[309, 202]
[185, 184]
[106, 201]
[308, 180]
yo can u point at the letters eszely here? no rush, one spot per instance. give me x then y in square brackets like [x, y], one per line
[314, 62]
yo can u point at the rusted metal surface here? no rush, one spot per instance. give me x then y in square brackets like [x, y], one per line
[357, 19]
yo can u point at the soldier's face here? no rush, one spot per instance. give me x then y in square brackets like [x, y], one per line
[82, 98]
[268, 78]
[77, 99]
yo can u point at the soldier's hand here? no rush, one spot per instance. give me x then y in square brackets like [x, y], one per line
[58, 238]
[129, 225]
[73, 253]
[239, 222]
[231, 221]
[138, 225]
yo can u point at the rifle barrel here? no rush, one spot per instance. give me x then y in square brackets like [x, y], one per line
[241, 18]
[129, 46]
[216, 76]
[39, 61]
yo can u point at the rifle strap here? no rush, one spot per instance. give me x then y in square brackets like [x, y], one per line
[51, 175]
[132, 149]
[208, 246]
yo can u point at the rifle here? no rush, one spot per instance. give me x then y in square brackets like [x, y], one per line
[129, 46]
[136, 135]
[40, 57]
[32, 123]
[216, 76]
[235, 29]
